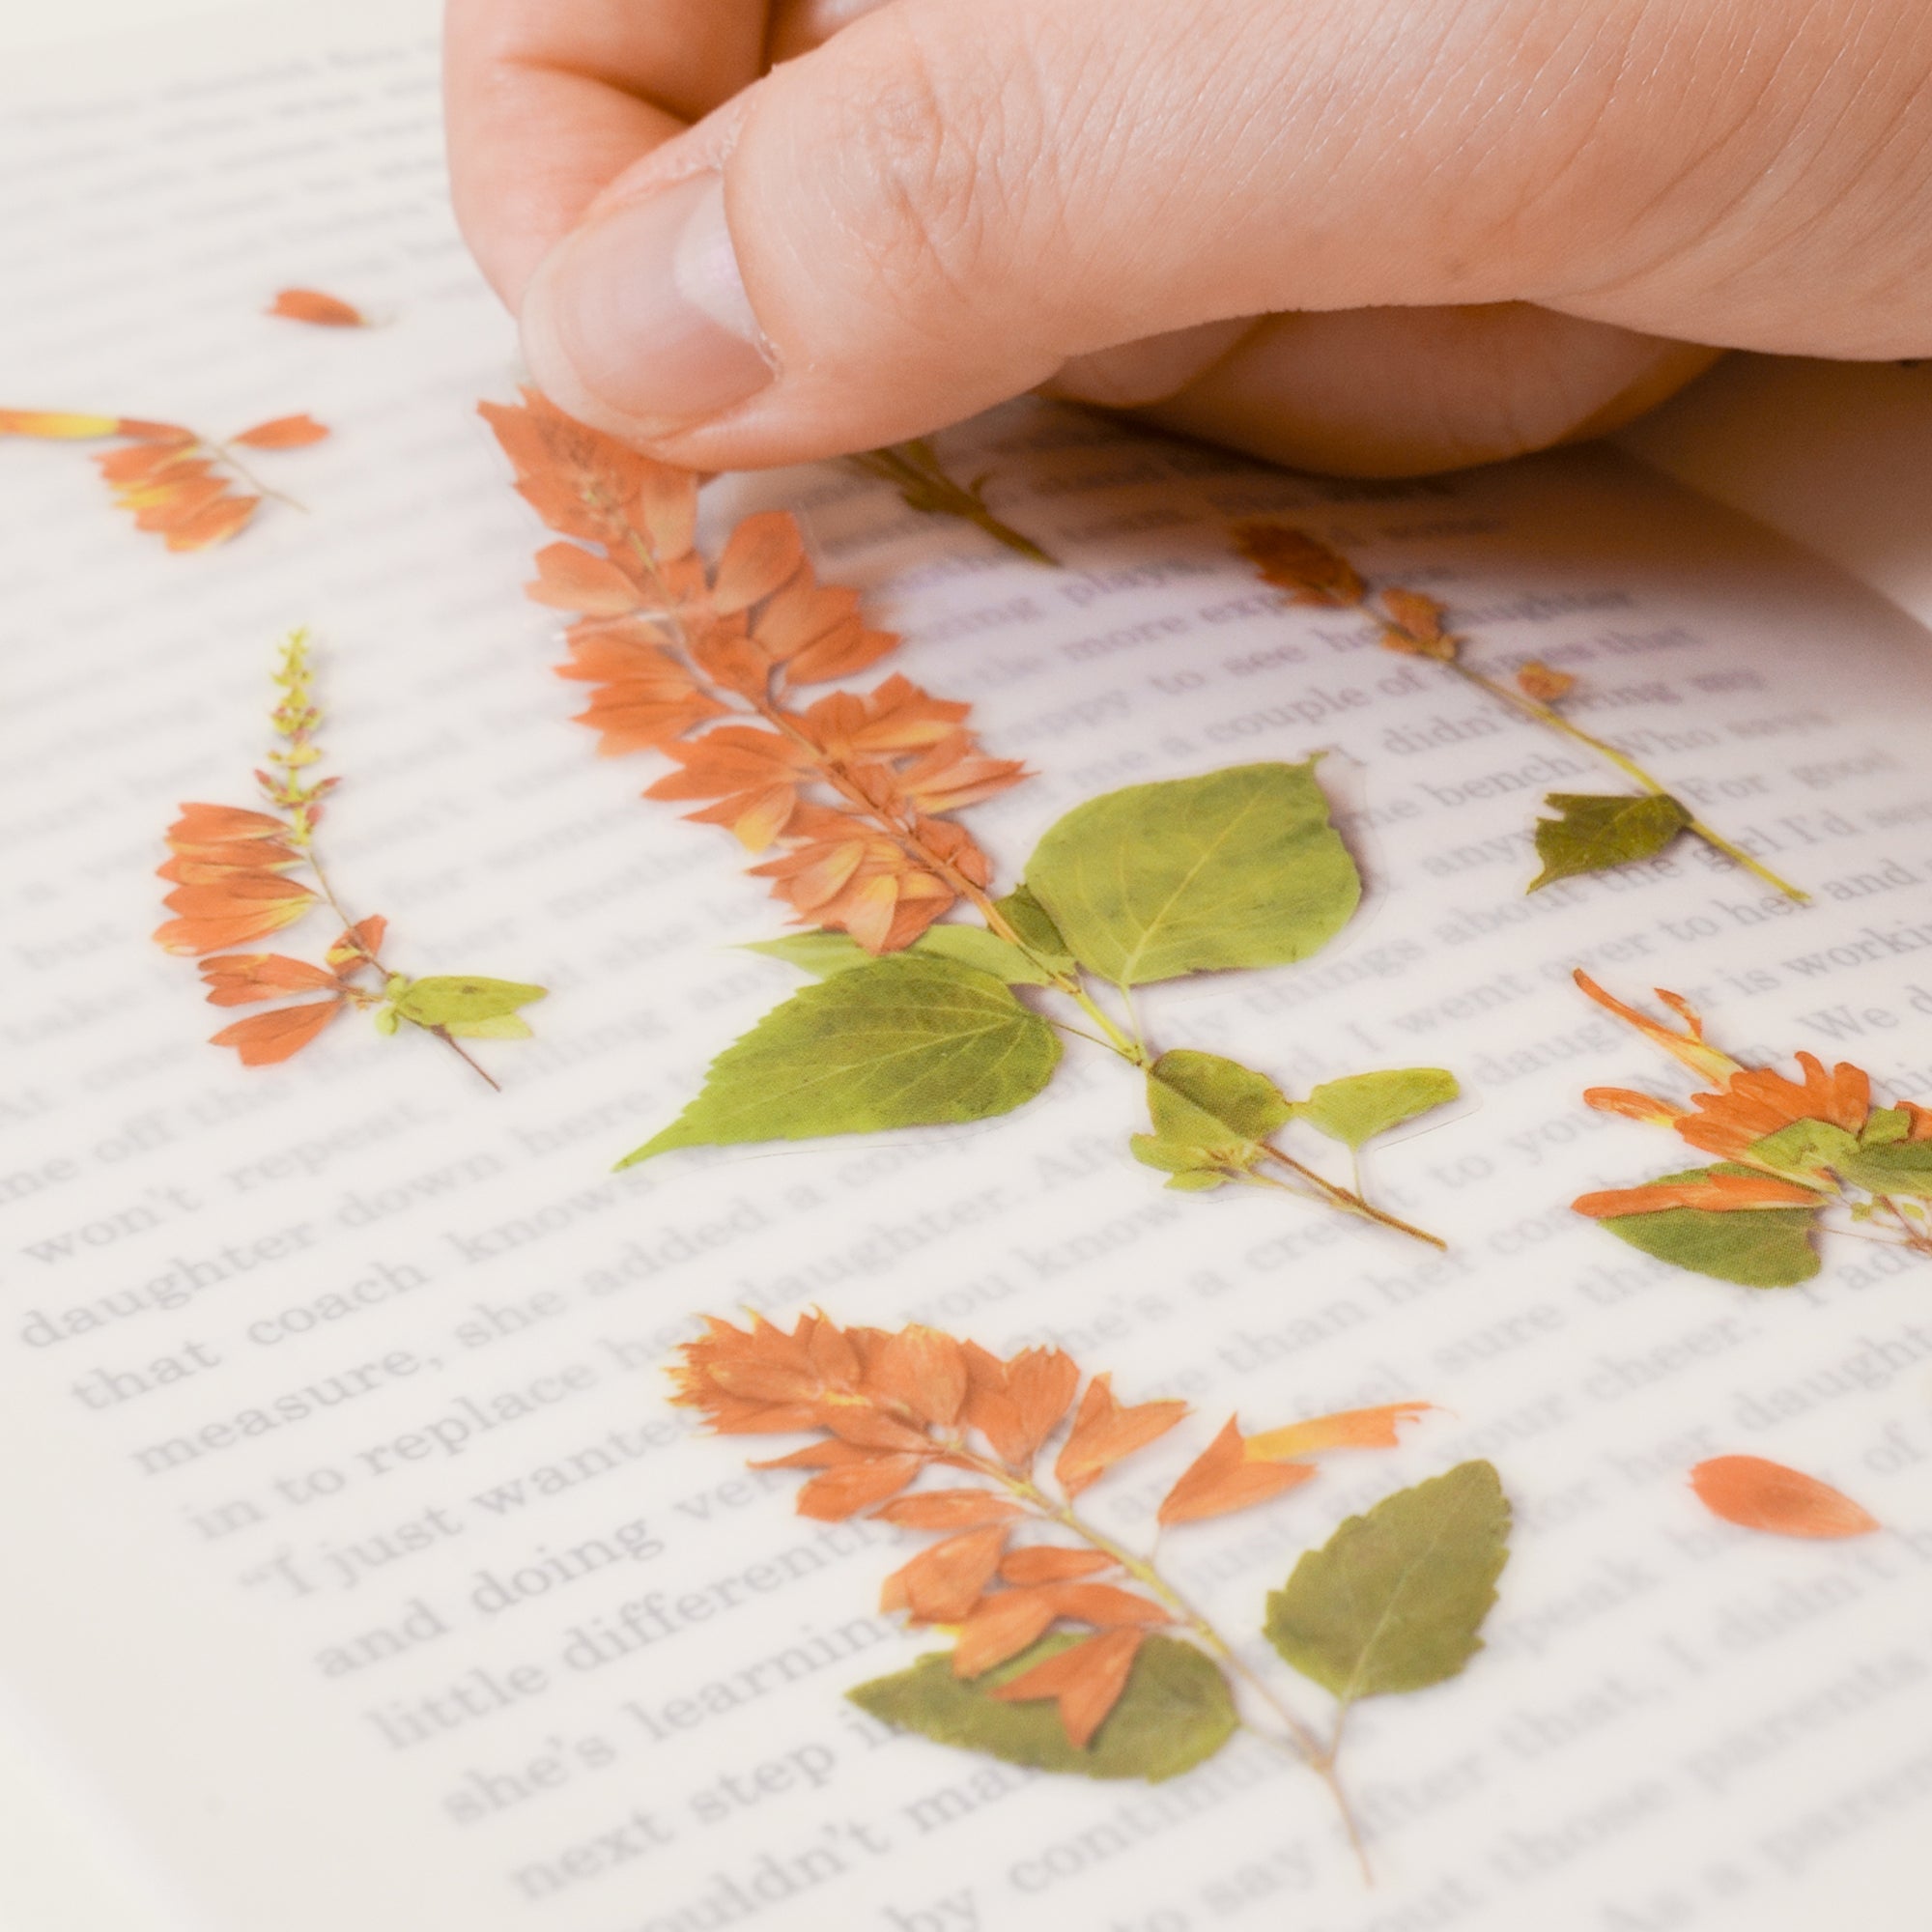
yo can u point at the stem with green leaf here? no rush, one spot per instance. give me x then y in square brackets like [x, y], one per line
[914, 470]
[1301, 1740]
[1547, 715]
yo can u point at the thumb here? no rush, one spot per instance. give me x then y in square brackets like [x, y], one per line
[945, 203]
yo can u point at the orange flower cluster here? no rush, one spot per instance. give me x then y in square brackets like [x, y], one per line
[175, 482]
[890, 1407]
[1748, 1105]
[230, 871]
[703, 664]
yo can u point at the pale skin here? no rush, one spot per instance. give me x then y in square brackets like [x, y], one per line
[1377, 237]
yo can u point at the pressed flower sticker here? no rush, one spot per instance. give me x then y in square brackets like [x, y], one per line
[851, 802]
[1070, 1651]
[1591, 832]
[192, 491]
[1791, 1152]
[235, 877]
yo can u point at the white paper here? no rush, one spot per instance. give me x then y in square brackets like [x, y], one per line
[494, 1639]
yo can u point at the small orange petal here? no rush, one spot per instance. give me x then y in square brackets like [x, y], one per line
[311, 305]
[1759, 1494]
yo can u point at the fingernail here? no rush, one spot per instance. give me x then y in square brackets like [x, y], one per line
[642, 315]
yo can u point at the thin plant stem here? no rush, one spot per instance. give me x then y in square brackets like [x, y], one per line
[1347, 1202]
[224, 453]
[361, 998]
[1547, 715]
[915, 473]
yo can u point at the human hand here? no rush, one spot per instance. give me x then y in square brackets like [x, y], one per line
[1467, 227]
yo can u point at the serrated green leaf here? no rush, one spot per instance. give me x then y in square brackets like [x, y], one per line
[1356, 1110]
[498, 1026]
[1203, 1099]
[824, 953]
[1035, 928]
[439, 1001]
[1177, 1712]
[1240, 867]
[901, 1042]
[1755, 1247]
[1394, 1600]
[1209, 1116]
[1597, 834]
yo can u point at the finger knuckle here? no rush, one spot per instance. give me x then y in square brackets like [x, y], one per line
[922, 145]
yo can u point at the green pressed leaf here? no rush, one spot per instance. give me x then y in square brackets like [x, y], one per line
[901, 1042]
[1806, 1145]
[387, 1020]
[1362, 1106]
[824, 953]
[1035, 928]
[1237, 869]
[498, 1026]
[1898, 1167]
[1205, 1101]
[1209, 1116]
[1756, 1247]
[975, 946]
[1394, 1600]
[1595, 833]
[1884, 1125]
[1175, 1713]
[819, 953]
[441, 1002]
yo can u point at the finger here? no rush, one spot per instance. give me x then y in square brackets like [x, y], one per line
[1394, 391]
[943, 204]
[547, 101]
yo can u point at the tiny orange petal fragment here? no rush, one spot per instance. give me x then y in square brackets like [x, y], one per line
[1755, 1494]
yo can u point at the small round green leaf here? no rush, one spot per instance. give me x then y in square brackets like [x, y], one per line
[1175, 1713]
[1240, 867]
[1356, 1110]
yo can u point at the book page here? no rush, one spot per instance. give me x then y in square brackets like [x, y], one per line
[357, 1561]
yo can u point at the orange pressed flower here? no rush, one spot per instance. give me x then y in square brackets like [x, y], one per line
[1760, 1101]
[1086, 1681]
[1307, 569]
[1689, 1046]
[1713, 1194]
[889, 1409]
[176, 483]
[231, 871]
[1544, 683]
[704, 662]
